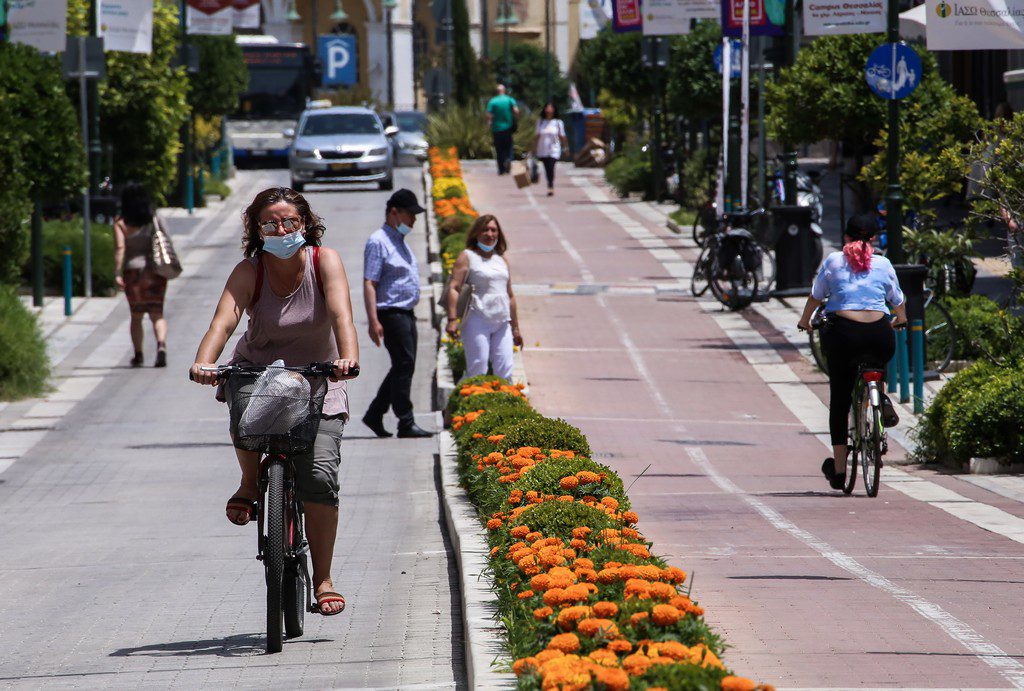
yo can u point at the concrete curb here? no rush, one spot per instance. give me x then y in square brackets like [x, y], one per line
[483, 633]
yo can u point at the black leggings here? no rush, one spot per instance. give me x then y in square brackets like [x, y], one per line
[549, 170]
[847, 345]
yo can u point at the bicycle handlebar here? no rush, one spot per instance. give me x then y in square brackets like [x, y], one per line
[325, 369]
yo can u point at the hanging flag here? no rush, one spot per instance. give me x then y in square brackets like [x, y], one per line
[127, 25]
[42, 24]
[246, 14]
[626, 16]
[767, 17]
[210, 17]
[975, 25]
[827, 17]
[594, 14]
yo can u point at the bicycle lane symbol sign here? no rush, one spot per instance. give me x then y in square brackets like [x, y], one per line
[893, 70]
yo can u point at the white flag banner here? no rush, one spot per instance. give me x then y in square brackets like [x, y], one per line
[594, 14]
[42, 24]
[975, 25]
[828, 17]
[246, 14]
[210, 17]
[666, 17]
[127, 25]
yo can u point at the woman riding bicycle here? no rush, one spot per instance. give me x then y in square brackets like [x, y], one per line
[300, 312]
[858, 285]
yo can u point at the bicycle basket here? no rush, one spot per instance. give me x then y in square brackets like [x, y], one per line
[275, 411]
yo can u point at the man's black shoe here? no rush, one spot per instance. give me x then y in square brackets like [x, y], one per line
[377, 426]
[413, 432]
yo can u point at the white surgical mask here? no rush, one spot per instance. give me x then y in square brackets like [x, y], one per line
[486, 248]
[284, 246]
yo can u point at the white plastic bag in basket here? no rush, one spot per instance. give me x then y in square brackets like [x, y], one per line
[279, 401]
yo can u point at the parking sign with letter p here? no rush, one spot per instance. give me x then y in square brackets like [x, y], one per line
[339, 59]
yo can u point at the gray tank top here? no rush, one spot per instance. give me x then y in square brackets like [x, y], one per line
[138, 247]
[295, 328]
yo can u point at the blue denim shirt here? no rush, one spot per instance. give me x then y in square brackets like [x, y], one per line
[848, 290]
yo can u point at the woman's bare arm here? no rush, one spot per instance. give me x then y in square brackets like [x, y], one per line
[233, 301]
[339, 305]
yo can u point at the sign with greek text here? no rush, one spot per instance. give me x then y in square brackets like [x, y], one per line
[210, 17]
[246, 14]
[41, 24]
[671, 17]
[975, 25]
[627, 16]
[827, 17]
[127, 25]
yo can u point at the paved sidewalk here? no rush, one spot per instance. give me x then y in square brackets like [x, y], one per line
[120, 569]
[716, 419]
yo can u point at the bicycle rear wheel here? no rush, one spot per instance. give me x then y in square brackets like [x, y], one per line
[814, 340]
[699, 279]
[871, 448]
[274, 555]
[734, 287]
[852, 453]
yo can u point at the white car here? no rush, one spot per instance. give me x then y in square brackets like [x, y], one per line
[340, 144]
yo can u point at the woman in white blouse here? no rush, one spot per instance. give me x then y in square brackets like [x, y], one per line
[550, 138]
[491, 326]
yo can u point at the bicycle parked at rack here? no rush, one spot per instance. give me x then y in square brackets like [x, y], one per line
[279, 421]
[733, 264]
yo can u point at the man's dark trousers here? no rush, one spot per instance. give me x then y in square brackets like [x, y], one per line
[400, 341]
[503, 150]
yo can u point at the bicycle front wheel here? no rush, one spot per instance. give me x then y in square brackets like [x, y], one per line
[274, 555]
[871, 449]
[294, 587]
[814, 341]
[852, 453]
[699, 280]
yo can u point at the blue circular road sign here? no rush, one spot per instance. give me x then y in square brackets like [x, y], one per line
[735, 55]
[893, 70]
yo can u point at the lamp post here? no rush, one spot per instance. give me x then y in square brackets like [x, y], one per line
[547, 51]
[338, 15]
[389, 8]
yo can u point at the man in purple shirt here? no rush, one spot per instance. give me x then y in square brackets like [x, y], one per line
[391, 289]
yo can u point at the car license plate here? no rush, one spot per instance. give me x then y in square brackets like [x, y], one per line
[259, 152]
[342, 166]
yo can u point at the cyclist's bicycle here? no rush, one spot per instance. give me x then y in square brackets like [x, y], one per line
[732, 263]
[278, 416]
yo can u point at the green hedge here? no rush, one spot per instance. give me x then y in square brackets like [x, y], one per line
[24, 367]
[982, 328]
[629, 171]
[60, 234]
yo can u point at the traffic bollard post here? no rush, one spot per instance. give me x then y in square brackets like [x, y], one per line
[67, 281]
[891, 375]
[917, 350]
[903, 365]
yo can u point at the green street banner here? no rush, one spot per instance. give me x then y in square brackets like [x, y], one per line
[975, 25]
[828, 17]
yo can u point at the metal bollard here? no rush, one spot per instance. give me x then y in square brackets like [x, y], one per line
[917, 349]
[215, 165]
[903, 364]
[891, 375]
[67, 281]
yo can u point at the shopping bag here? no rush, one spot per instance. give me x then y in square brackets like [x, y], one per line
[520, 174]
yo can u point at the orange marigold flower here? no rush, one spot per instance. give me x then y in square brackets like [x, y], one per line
[636, 664]
[665, 615]
[607, 576]
[588, 575]
[525, 594]
[637, 587]
[630, 517]
[548, 654]
[630, 533]
[495, 550]
[553, 597]
[533, 537]
[566, 498]
[732, 683]
[583, 563]
[520, 531]
[565, 642]
[578, 544]
[588, 478]
[636, 550]
[606, 609]
[673, 575]
[662, 591]
[611, 502]
[612, 679]
[542, 613]
[673, 649]
[570, 615]
[577, 593]
[620, 646]
[604, 657]
[494, 524]
[524, 665]
[592, 627]
[570, 482]
[540, 582]
[581, 532]
[637, 618]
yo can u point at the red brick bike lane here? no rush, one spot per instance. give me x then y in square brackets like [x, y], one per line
[809, 588]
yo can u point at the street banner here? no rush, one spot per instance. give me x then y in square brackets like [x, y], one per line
[975, 25]
[127, 25]
[42, 24]
[210, 17]
[626, 16]
[666, 17]
[828, 17]
[337, 53]
[594, 15]
[767, 17]
[246, 14]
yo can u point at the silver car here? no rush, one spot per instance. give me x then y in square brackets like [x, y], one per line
[410, 144]
[339, 145]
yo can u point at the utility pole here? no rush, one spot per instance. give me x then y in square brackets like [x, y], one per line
[185, 160]
[389, 9]
[547, 51]
[95, 148]
[894, 194]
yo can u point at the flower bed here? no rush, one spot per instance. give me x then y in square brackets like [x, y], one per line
[585, 603]
[455, 214]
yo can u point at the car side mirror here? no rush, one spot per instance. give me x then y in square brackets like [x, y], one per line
[390, 131]
[289, 133]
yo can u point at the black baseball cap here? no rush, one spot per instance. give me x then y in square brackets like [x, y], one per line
[406, 200]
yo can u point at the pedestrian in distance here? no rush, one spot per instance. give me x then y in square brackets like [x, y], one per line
[549, 141]
[134, 272]
[391, 289]
[859, 288]
[296, 295]
[490, 327]
[502, 116]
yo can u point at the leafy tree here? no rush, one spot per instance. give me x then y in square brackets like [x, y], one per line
[465, 74]
[222, 76]
[142, 101]
[694, 87]
[528, 77]
[613, 61]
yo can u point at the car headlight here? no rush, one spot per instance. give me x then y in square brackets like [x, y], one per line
[379, 151]
[307, 153]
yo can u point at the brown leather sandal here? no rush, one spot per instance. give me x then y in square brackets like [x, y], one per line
[326, 597]
[240, 503]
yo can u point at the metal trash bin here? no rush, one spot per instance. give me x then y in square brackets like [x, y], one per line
[797, 246]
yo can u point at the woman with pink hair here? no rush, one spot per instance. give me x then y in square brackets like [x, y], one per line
[859, 287]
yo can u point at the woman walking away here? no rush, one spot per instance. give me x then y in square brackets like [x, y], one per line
[859, 287]
[133, 270]
[296, 295]
[550, 138]
[491, 326]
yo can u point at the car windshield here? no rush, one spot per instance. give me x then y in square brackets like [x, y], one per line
[412, 122]
[340, 123]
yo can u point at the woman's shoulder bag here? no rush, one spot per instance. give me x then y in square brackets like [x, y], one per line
[163, 257]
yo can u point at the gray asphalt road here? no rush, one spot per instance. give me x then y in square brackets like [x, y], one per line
[119, 567]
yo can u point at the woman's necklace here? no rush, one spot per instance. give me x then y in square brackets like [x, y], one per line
[277, 280]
